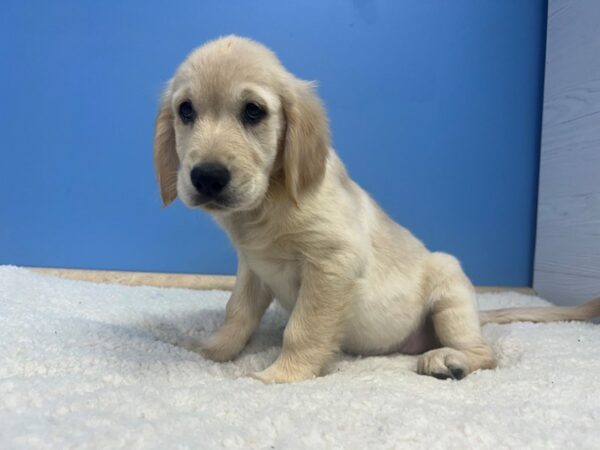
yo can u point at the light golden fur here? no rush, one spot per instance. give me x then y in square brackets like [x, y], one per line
[306, 234]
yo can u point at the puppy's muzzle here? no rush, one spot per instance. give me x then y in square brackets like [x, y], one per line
[210, 179]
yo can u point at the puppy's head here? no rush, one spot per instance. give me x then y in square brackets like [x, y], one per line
[231, 122]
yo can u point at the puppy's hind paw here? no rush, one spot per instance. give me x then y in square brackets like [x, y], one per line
[443, 363]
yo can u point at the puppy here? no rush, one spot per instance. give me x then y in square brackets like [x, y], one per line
[240, 137]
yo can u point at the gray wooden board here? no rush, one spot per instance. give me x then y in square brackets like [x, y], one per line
[567, 257]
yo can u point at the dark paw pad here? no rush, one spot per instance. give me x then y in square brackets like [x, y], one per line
[457, 373]
[440, 376]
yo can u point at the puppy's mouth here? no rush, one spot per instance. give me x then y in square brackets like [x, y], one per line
[211, 204]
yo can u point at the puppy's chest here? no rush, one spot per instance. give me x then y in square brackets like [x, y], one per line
[280, 275]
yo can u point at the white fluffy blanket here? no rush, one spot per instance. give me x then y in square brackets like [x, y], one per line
[85, 365]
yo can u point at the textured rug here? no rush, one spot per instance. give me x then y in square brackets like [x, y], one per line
[86, 365]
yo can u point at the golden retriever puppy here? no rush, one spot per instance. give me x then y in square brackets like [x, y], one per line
[240, 137]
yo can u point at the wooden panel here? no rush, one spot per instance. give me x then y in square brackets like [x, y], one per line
[175, 280]
[188, 281]
[566, 288]
[567, 258]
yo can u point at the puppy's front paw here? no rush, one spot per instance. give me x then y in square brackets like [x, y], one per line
[190, 344]
[219, 349]
[278, 373]
[212, 348]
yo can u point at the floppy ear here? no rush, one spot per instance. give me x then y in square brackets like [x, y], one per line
[306, 142]
[166, 161]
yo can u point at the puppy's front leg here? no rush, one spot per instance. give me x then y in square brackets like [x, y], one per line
[314, 329]
[245, 308]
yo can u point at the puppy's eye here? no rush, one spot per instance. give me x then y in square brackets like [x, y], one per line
[252, 113]
[186, 112]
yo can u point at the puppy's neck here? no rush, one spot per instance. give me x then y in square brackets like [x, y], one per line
[275, 215]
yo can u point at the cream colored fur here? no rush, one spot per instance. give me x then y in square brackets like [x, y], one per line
[305, 233]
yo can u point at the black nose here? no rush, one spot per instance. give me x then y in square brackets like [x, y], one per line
[210, 178]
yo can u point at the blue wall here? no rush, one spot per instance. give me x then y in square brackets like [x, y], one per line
[435, 107]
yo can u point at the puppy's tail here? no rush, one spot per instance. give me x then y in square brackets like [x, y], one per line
[586, 311]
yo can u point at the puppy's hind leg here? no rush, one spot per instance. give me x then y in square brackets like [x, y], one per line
[453, 309]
